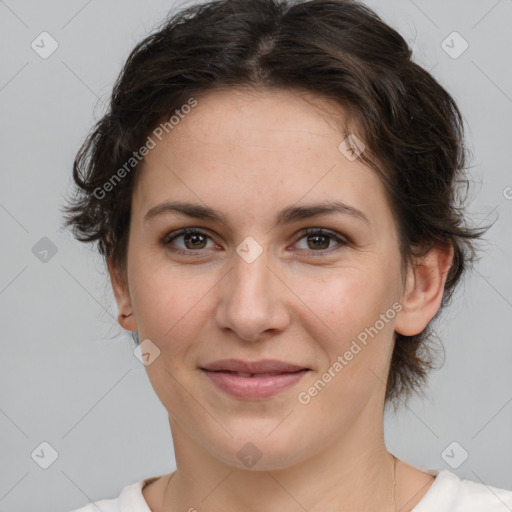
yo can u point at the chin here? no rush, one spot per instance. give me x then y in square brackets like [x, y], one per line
[258, 452]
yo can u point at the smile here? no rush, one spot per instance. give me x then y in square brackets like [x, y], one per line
[253, 386]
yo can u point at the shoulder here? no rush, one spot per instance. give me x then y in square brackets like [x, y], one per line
[476, 496]
[449, 493]
[130, 499]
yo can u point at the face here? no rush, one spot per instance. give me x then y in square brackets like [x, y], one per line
[259, 283]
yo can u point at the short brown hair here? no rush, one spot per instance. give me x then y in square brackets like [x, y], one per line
[336, 49]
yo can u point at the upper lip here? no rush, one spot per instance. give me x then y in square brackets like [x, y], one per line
[262, 366]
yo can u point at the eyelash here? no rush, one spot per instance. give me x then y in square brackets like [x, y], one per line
[166, 241]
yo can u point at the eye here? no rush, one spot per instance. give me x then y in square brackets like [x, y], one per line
[319, 239]
[193, 240]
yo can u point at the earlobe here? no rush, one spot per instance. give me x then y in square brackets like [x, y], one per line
[125, 315]
[424, 290]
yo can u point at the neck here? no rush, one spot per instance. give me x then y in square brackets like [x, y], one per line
[353, 472]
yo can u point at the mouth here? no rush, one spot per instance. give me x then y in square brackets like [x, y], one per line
[253, 380]
[263, 366]
[257, 375]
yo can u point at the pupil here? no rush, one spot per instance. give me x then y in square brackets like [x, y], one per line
[194, 237]
[316, 237]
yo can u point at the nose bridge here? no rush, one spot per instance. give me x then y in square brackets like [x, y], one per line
[250, 273]
[249, 285]
[250, 303]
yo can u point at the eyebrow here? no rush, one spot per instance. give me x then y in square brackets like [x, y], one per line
[286, 215]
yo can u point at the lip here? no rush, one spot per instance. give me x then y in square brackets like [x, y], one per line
[262, 366]
[260, 385]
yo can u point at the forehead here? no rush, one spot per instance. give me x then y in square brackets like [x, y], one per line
[251, 151]
[257, 119]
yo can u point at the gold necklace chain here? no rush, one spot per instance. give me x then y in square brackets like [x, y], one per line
[393, 491]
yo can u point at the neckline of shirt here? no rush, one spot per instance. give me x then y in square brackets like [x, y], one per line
[441, 493]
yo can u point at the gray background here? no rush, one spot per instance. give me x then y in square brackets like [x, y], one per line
[67, 372]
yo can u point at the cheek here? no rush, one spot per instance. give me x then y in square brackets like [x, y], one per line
[353, 325]
[166, 297]
[345, 302]
[170, 311]
[355, 352]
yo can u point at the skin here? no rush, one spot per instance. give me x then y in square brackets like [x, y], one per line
[250, 154]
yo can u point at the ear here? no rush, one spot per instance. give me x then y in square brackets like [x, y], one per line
[423, 290]
[125, 315]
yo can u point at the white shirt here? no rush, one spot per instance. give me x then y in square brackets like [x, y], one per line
[448, 493]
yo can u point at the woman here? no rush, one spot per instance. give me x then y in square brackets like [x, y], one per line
[274, 192]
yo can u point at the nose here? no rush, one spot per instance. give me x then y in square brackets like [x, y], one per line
[253, 300]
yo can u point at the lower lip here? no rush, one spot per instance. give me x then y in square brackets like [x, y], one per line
[254, 387]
